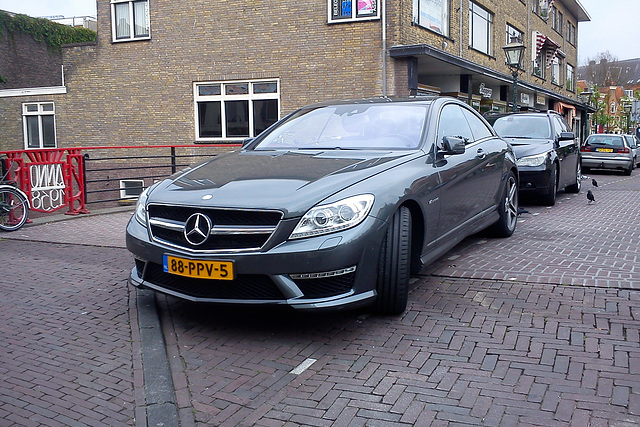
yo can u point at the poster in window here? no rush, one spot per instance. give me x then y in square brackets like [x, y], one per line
[433, 15]
[341, 9]
[367, 8]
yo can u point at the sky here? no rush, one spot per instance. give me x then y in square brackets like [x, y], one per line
[614, 25]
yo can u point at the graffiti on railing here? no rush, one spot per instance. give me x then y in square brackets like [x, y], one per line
[47, 186]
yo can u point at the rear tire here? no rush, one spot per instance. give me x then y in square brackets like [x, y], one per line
[14, 209]
[394, 265]
[628, 171]
[507, 209]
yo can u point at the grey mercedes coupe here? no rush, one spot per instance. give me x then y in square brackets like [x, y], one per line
[335, 205]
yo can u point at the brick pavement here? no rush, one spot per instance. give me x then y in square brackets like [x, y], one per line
[539, 329]
[67, 346]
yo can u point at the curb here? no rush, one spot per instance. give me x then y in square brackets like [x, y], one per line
[161, 407]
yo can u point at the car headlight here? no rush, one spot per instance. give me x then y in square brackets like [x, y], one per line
[329, 218]
[536, 160]
[141, 207]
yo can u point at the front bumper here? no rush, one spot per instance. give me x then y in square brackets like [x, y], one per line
[534, 179]
[332, 271]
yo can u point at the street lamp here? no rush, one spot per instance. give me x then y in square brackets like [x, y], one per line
[626, 106]
[514, 52]
[585, 96]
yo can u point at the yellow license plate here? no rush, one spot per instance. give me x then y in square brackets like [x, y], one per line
[605, 150]
[220, 270]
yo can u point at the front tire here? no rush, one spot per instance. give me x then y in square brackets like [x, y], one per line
[575, 188]
[507, 209]
[394, 265]
[14, 209]
[549, 199]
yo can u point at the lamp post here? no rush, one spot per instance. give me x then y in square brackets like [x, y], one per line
[514, 52]
[626, 106]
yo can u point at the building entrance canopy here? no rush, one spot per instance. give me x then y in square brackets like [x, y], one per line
[435, 71]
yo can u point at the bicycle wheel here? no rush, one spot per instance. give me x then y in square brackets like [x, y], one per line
[13, 209]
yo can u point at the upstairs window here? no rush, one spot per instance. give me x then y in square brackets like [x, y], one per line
[353, 10]
[513, 34]
[571, 75]
[480, 29]
[432, 14]
[130, 20]
[235, 110]
[571, 33]
[39, 125]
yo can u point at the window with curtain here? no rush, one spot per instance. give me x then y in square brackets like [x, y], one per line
[480, 28]
[39, 125]
[130, 20]
[432, 14]
[235, 110]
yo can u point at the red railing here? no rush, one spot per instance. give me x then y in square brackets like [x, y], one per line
[55, 179]
[52, 178]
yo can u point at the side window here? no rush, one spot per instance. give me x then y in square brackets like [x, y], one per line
[560, 125]
[453, 123]
[478, 128]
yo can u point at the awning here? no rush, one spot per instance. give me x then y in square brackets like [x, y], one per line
[544, 42]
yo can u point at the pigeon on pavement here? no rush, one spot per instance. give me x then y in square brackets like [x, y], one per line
[594, 182]
[590, 197]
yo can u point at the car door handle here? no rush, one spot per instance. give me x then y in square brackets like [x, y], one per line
[481, 154]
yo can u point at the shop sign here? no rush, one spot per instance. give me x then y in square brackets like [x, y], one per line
[540, 100]
[486, 92]
[524, 98]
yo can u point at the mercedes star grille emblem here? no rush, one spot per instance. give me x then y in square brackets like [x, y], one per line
[197, 229]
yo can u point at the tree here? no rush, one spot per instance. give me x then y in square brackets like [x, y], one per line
[599, 70]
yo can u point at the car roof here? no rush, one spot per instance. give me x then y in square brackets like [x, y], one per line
[427, 100]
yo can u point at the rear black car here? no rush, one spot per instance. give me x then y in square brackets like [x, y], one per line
[547, 152]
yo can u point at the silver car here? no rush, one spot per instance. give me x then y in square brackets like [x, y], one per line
[633, 144]
[607, 151]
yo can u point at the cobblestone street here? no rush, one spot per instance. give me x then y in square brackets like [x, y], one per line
[542, 328]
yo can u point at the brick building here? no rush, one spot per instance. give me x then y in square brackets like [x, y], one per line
[165, 72]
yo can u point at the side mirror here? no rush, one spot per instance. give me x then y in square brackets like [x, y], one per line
[247, 142]
[453, 145]
[565, 136]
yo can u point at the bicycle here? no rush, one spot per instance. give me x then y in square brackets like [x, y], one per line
[14, 204]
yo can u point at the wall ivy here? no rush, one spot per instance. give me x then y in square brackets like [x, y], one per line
[42, 30]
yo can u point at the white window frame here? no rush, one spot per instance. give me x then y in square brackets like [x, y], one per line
[488, 21]
[42, 109]
[132, 36]
[556, 71]
[428, 14]
[223, 97]
[128, 192]
[571, 78]
[333, 5]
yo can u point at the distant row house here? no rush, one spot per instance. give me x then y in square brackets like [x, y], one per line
[203, 72]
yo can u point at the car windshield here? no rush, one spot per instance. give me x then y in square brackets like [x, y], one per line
[349, 127]
[611, 140]
[523, 126]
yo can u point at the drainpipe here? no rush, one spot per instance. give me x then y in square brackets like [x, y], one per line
[384, 48]
[460, 25]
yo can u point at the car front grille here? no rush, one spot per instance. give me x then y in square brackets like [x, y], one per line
[232, 230]
[245, 287]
